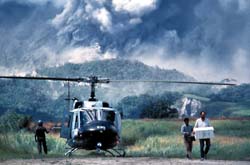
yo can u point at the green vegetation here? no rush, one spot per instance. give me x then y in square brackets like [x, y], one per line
[27, 97]
[22, 145]
[157, 138]
[227, 109]
[46, 100]
[240, 93]
[114, 69]
[230, 102]
[162, 139]
[149, 106]
[11, 121]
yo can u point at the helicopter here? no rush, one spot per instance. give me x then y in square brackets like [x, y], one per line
[94, 124]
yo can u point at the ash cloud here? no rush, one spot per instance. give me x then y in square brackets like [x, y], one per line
[206, 39]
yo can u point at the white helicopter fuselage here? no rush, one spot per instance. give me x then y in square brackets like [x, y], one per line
[88, 111]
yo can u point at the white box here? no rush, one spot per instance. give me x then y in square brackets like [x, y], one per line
[204, 132]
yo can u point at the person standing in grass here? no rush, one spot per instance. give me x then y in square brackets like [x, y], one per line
[203, 122]
[40, 137]
[186, 131]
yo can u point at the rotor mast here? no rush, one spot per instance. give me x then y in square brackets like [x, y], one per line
[92, 92]
[93, 80]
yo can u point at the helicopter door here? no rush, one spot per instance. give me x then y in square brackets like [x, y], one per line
[118, 122]
[75, 123]
[66, 125]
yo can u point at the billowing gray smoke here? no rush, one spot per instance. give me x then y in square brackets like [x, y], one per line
[209, 40]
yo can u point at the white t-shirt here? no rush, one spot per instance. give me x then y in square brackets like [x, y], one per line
[200, 123]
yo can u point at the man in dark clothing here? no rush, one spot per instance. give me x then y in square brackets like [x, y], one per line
[40, 137]
[186, 131]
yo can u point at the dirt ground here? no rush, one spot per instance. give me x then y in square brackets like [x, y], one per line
[117, 161]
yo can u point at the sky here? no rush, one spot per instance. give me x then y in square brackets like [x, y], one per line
[206, 39]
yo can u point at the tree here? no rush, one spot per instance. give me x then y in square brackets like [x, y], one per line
[149, 106]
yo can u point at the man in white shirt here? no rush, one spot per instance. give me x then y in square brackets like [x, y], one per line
[203, 122]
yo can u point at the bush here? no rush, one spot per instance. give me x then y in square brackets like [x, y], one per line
[11, 121]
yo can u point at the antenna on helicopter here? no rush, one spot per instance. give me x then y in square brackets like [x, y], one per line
[68, 97]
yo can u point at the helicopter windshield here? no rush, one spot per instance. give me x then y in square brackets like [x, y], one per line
[96, 114]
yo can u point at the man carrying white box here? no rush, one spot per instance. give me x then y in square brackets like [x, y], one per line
[203, 131]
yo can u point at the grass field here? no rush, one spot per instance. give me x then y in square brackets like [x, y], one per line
[156, 138]
[163, 139]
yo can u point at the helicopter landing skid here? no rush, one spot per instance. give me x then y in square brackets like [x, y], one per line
[69, 152]
[116, 152]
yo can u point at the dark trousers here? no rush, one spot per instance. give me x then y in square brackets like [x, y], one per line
[41, 143]
[202, 143]
[189, 145]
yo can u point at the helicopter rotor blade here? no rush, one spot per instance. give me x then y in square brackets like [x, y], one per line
[91, 79]
[46, 78]
[174, 82]
[95, 80]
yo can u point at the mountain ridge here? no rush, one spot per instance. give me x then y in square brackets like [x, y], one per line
[48, 97]
[114, 68]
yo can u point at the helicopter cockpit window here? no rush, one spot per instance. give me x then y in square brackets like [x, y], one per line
[84, 118]
[76, 122]
[109, 116]
[91, 115]
[88, 115]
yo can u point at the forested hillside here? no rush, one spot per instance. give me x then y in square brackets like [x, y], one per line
[45, 99]
[115, 69]
[228, 102]
[239, 93]
[232, 101]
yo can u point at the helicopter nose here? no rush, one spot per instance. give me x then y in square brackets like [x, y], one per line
[99, 126]
[96, 135]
